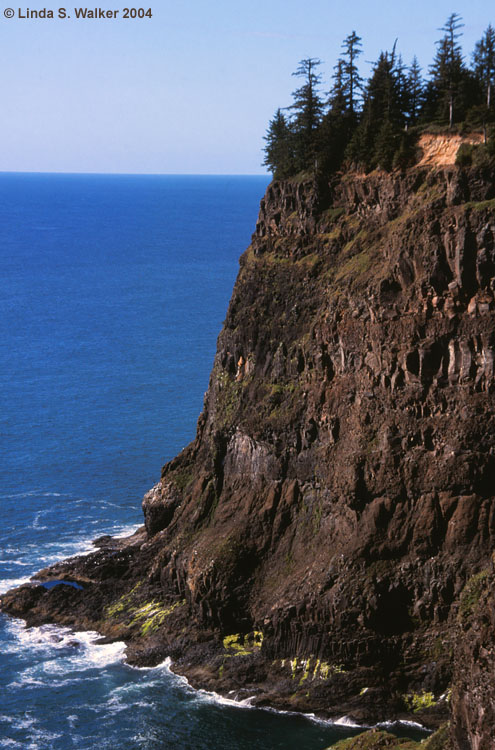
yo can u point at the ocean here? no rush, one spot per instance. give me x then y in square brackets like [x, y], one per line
[112, 293]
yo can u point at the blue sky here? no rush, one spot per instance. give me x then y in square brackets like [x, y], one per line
[192, 89]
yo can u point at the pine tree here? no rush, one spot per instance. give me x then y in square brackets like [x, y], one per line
[338, 100]
[279, 156]
[337, 125]
[402, 82]
[448, 66]
[322, 136]
[484, 62]
[308, 110]
[351, 80]
[377, 137]
[415, 92]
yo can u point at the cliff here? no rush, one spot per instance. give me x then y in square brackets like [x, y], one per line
[325, 541]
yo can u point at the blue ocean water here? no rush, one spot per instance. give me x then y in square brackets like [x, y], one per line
[112, 293]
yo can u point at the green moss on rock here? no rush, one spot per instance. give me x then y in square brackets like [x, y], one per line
[239, 644]
[376, 740]
[379, 740]
[419, 701]
[471, 594]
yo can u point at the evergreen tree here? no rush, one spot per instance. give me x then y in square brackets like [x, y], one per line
[448, 68]
[338, 100]
[279, 156]
[322, 136]
[402, 82]
[377, 137]
[337, 125]
[383, 92]
[308, 110]
[352, 82]
[484, 62]
[415, 92]
[385, 145]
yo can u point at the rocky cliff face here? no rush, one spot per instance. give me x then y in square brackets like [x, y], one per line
[317, 542]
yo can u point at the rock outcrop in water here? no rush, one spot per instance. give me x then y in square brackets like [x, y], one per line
[325, 541]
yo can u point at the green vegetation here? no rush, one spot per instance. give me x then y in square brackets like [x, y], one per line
[419, 701]
[151, 615]
[311, 669]
[239, 644]
[481, 205]
[148, 615]
[471, 594]
[440, 740]
[379, 740]
[376, 123]
[376, 740]
[478, 155]
[228, 397]
[356, 266]
[183, 477]
[124, 603]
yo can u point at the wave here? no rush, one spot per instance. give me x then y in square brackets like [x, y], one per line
[43, 737]
[64, 657]
[53, 552]
[36, 523]
[213, 697]
[346, 721]
[210, 696]
[82, 648]
[11, 583]
[402, 723]
[33, 493]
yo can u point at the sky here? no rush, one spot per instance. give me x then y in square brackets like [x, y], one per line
[190, 90]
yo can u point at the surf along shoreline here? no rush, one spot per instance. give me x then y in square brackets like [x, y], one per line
[74, 593]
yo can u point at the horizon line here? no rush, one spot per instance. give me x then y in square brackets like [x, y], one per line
[138, 174]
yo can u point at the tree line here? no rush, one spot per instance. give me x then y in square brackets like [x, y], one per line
[375, 123]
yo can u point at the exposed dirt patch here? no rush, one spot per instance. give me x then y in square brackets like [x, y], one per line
[441, 150]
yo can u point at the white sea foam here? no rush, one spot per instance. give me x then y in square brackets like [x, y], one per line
[346, 721]
[99, 654]
[26, 723]
[114, 705]
[402, 723]
[10, 583]
[26, 681]
[35, 737]
[36, 523]
[80, 648]
[121, 532]
[33, 493]
[56, 551]
[211, 697]
[166, 665]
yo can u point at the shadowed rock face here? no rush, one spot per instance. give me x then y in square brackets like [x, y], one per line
[313, 542]
[473, 695]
